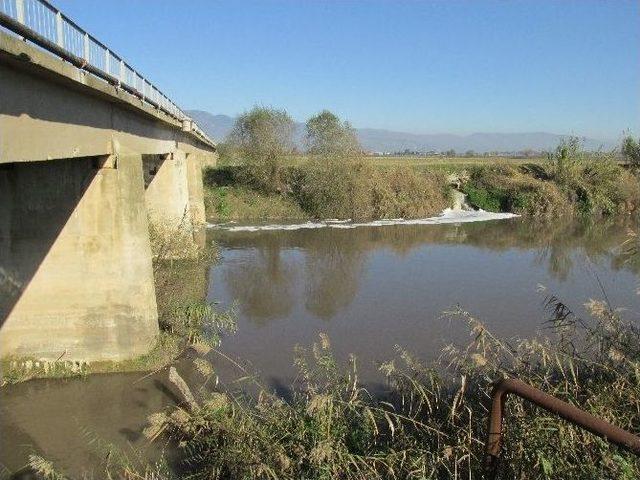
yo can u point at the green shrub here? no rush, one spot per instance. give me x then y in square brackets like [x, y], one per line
[503, 188]
[491, 200]
[631, 151]
[244, 203]
[572, 181]
[328, 136]
[592, 182]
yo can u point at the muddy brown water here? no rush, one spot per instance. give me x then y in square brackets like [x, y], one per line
[368, 288]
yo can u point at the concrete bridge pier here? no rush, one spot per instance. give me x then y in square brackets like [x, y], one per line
[75, 260]
[175, 203]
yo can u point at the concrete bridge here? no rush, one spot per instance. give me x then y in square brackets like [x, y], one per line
[91, 155]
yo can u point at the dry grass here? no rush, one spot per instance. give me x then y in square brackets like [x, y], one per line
[431, 424]
[352, 189]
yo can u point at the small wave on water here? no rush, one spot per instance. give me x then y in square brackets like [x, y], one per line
[449, 215]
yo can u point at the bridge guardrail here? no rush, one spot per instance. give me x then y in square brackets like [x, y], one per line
[41, 23]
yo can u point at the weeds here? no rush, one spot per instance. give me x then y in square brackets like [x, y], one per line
[594, 183]
[571, 181]
[198, 322]
[500, 188]
[242, 203]
[431, 421]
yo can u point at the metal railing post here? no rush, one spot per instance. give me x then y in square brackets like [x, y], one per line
[59, 31]
[85, 49]
[20, 11]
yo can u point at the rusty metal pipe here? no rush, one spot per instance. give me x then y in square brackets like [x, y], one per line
[570, 413]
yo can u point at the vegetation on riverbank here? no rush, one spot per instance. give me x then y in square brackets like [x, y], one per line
[236, 202]
[259, 178]
[430, 422]
[334, 182]
[569, 182]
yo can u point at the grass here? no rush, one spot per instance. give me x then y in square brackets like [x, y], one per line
[569, 182]
[453, 164]
[225, 203]
[352, 189]
[348, 188]
[502, 188]
[417, 162]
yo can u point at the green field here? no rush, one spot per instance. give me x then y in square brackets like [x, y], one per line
[434, 162]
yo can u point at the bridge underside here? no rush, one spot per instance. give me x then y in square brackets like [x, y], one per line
[85, 169]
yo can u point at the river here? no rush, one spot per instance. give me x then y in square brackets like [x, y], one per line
[369, 288]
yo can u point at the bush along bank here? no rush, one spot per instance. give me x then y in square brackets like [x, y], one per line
[328, 188]
[334, 181]
[570, 182]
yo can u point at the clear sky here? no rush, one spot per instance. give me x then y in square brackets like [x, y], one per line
[419, 66]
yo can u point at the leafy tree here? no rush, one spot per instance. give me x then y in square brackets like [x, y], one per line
[262, 137]
[328, 136]
[631, 151]
[450, 153]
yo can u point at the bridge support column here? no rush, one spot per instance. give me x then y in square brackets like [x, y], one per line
[76, 280]
[196, 190]
[175, 203]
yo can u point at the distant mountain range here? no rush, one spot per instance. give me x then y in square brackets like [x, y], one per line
[378, 140]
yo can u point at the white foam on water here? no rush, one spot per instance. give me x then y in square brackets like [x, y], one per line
[448, 216]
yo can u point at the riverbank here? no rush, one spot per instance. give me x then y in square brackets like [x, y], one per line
[356, 190]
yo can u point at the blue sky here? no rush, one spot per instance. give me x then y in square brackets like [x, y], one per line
[419, 66]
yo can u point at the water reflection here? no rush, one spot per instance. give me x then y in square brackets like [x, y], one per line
[325, 266]
[263, 287]
[369, 289]
[332, 267]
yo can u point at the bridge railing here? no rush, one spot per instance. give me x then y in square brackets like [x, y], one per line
[41, 23]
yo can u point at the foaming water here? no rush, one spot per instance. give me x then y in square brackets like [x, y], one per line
[449, 215]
